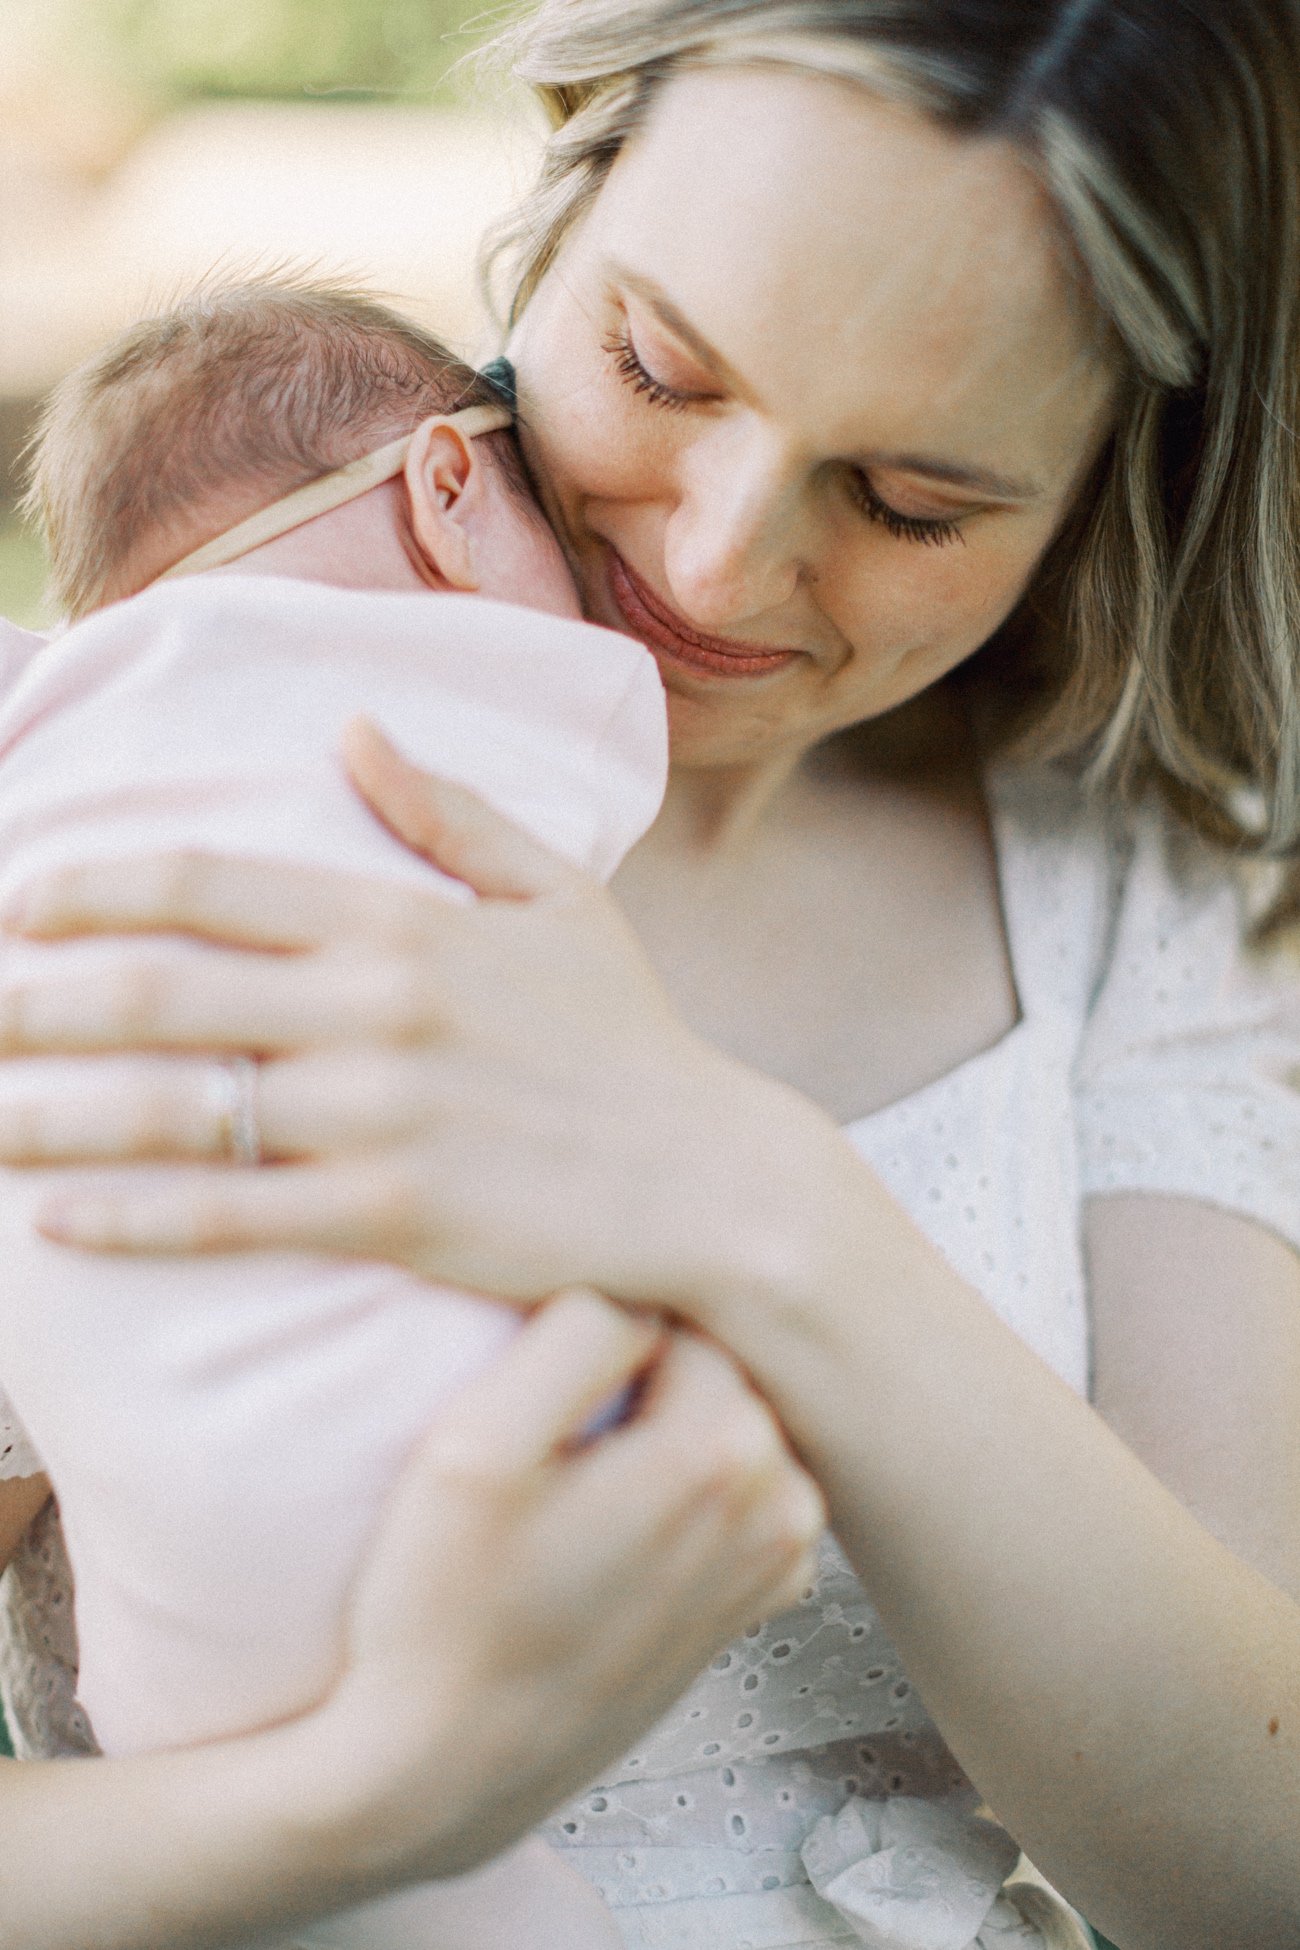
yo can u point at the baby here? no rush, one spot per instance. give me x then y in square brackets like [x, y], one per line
[251, 502]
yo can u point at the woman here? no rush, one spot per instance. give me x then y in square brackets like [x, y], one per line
[919, 381]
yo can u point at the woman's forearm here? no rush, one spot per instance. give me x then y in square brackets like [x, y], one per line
[1124, 1690]
[185, 1851]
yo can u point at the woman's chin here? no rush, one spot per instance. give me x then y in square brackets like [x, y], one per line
[704, 733]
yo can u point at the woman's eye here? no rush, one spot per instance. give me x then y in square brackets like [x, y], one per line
[634, 373]
[908, 528]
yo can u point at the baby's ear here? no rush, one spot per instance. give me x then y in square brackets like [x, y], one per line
[444, 489]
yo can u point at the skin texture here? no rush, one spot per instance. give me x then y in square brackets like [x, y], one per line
[1108, 1639]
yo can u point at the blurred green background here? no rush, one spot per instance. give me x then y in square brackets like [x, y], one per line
[105, 105]
[279, 48]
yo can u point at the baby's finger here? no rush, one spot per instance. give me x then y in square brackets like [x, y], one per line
[718, 1562]
[697, 1404]
[790, 1533]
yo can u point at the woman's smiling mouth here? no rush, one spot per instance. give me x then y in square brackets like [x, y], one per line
[650, 619]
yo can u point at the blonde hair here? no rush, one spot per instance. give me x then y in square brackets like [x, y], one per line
[238, 395]
[1160, 641]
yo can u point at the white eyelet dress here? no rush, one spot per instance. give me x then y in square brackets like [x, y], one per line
[799, 1795]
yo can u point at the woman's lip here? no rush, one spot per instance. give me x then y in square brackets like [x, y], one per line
[656, 624]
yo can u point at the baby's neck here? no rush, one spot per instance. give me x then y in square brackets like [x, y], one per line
[365, 544]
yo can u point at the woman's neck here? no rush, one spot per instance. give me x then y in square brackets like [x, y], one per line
[719, 810]
[722, 811]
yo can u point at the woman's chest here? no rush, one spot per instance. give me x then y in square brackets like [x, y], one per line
[857, 952]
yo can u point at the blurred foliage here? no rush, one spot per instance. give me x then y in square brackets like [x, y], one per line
[22, 583]
[173, 49]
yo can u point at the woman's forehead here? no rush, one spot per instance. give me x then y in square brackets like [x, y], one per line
[859, 266]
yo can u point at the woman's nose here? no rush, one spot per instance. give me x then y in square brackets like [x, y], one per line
[732, 544]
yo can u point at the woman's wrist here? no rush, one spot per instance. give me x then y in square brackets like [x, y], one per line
[383, 1792]
[776, 1220]
[816, 1270]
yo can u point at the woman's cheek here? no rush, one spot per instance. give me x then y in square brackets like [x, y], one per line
[604, 449]
[977, 583]
[925, 608]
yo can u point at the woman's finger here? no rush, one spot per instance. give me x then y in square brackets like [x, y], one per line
[112, 1109]
[177, 995]
[56, 1112]
[451, 827]
[702, 1473]
[241, 902]
[352, 1208]
[576, 1352]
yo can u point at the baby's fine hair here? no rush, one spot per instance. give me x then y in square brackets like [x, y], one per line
[197, 417]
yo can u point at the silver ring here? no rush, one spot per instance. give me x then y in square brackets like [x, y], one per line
[232, 1095]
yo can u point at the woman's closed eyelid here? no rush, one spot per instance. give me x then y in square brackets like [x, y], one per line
[622, 347]
[655, 345]
[934, 530]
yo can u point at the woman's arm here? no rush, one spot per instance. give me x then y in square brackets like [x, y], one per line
[519, 1582]
[1196, 1365]
[1123, 1686]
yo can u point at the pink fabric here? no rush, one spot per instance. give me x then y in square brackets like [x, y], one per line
[221, 1431]
[17, 648]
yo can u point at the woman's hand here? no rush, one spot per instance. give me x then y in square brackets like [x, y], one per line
[535, 1602]
[530, 1605]
[497, 1095]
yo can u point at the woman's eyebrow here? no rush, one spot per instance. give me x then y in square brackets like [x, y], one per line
[656, 299]
[979, 480]
[998, 487]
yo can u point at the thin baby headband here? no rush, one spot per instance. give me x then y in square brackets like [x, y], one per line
[330, 491]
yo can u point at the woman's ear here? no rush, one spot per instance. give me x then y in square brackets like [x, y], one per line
[444, 487]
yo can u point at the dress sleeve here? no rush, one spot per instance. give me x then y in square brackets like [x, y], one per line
[17, 1456]
[1188, 1075]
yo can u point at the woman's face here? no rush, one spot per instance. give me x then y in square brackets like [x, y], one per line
[810, 392]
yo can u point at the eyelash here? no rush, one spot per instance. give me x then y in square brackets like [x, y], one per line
[909, 528]
[630, 370]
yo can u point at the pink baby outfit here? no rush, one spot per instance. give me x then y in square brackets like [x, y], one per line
[222, 1431]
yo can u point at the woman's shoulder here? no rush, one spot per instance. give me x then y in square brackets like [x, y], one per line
[1186, 1032]
[1156, 921]
[1155, 870]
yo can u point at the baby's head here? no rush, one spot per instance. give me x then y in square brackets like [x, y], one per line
[198, 419]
